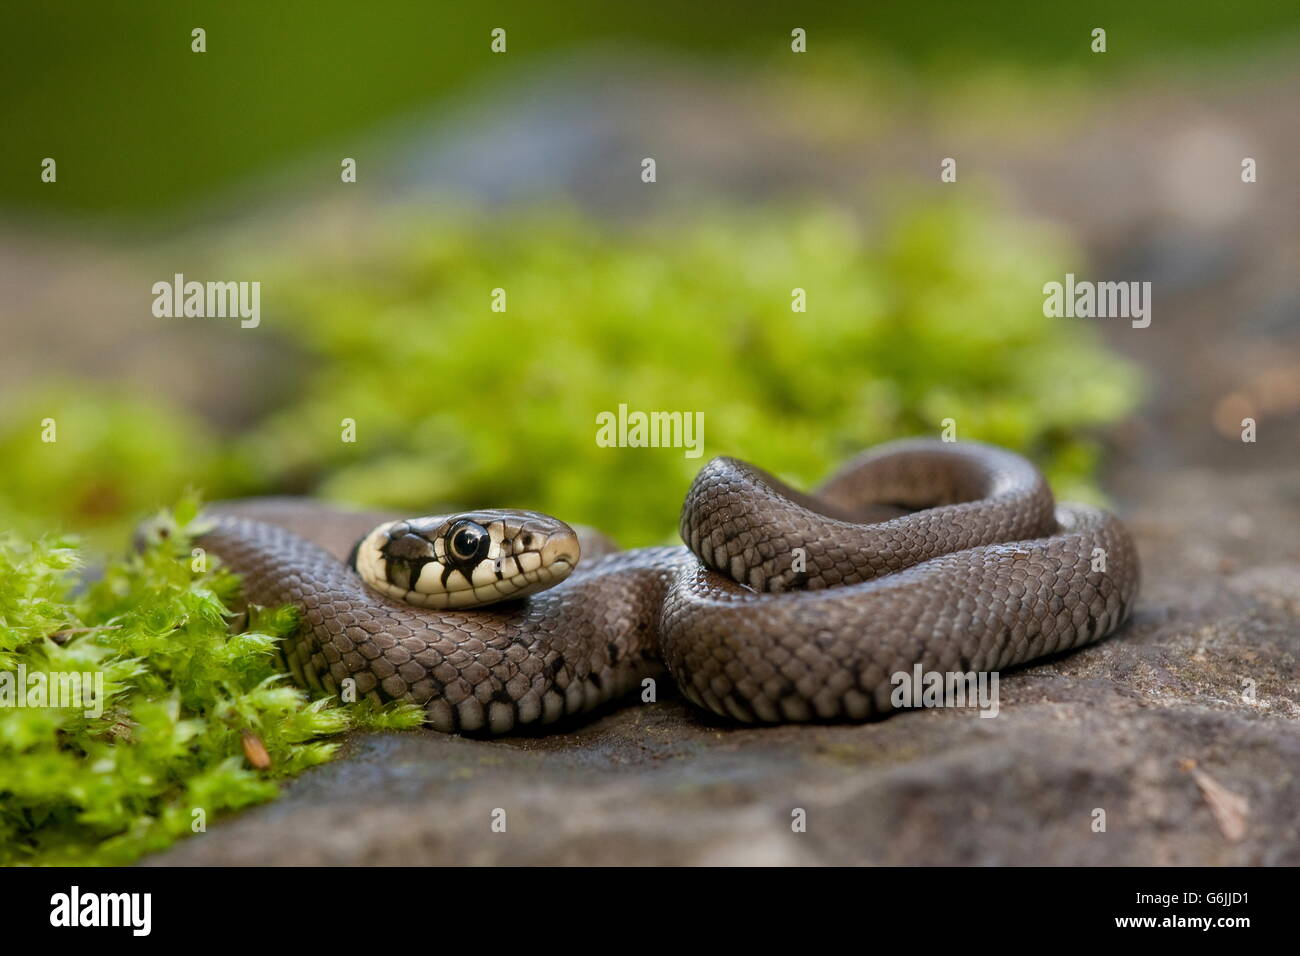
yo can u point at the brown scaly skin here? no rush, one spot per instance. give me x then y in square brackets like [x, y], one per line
[989, 575]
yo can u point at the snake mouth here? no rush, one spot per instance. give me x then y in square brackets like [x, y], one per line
[467, 560]
[508, 588]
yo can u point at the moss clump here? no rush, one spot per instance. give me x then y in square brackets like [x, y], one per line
[187, 706]
[933, 314]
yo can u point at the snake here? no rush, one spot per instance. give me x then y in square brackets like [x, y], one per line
[780, 606]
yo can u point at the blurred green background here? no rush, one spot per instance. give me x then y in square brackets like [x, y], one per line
[923, 305]
[114, 88]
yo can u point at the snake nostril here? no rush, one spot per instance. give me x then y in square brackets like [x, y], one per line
[527, 540]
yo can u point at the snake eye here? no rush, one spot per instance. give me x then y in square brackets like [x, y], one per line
[467, 541]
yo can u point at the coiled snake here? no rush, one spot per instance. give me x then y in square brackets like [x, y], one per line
[783, 607]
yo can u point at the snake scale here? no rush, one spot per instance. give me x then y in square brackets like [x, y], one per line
[782, 607]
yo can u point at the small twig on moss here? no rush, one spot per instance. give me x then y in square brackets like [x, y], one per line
[61, 637]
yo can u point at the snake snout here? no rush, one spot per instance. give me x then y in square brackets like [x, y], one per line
[562, 550]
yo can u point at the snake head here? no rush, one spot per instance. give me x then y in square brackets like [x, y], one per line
[466, 560]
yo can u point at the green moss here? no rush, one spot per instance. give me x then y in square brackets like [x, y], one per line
[935, 313]
[181, 694]
[932, 312]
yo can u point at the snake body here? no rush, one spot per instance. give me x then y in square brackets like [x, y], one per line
[782, 607]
